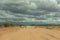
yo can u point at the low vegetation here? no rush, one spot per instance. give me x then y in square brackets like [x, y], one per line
[8, 24]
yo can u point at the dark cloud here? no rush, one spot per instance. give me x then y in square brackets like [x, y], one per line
[30, 10]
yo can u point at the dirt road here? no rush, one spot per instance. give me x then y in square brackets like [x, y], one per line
[29, 34]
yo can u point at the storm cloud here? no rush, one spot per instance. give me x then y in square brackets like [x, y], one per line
[46, 11]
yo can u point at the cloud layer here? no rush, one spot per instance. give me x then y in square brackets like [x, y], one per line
[46, 11]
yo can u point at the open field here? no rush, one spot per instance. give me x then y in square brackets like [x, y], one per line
[30, 33]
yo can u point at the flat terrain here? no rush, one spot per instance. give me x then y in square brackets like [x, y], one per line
[29, 33]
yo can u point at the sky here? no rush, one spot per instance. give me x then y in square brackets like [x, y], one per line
[43, 11]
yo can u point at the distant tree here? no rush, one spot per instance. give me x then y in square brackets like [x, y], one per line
[0, 25]
[7, 24]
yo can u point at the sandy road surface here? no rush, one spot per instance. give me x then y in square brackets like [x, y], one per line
[29, 34]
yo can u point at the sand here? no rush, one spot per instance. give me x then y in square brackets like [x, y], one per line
[29, 33]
